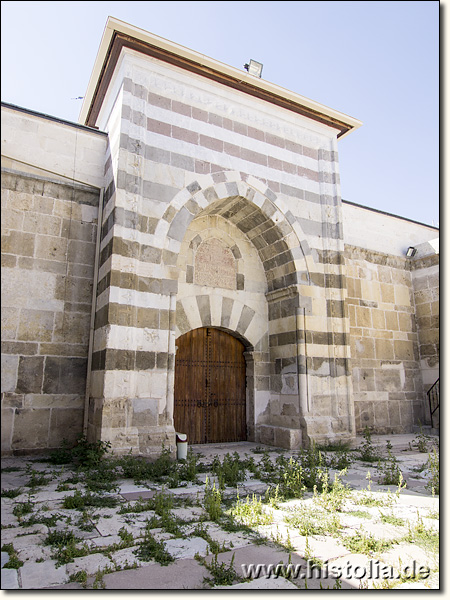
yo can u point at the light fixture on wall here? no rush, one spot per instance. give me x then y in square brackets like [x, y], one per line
[411, 252]
[254, 68]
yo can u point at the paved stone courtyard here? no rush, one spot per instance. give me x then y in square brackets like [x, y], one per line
[372, 535]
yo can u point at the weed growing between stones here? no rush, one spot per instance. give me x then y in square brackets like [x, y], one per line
[360, 514]
[307, 520]
[424, 443]
[212, 501]
[365, 543]
[79, 577]
[366, 498]
[221, 573]
[168, 522]
[426, 538]
[150, 549]
[84, 453]
[37, 479]
[38, 518]
[230, 471]
[201, 531]
[251, 513]
[391, 519]
[12, 492]
[287, 481]
[14, 562]
[433, 467]
[79, 501]
[389, 470]
[367, 451]
[22, 508]
[64, 545]
[332, 498]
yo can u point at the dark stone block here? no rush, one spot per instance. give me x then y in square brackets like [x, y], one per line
[30, 374]
[64, 375]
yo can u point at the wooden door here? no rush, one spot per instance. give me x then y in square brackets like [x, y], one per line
[210, 387]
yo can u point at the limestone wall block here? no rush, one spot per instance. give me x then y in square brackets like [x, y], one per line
[10, 364]
[31, 428]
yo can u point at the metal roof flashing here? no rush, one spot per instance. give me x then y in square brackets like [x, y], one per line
[118, 34]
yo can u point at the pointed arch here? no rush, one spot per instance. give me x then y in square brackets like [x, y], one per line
[255, 210]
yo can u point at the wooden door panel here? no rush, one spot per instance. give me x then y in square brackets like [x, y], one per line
[210, 387]
[190, 391]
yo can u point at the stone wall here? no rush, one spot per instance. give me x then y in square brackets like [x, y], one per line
[48, 244]
[387, 380]
[425, 280]
[183, 147]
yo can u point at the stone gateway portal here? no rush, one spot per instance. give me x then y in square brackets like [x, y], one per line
[181, 260]
[210, 387]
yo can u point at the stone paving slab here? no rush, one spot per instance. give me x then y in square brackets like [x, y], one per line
[35, 576]
[405, 554]
[144, 495]
[413, 504]
[260, 584]
[322, 548]
[125, 558]
[9, 579]
[182, 574]
[181, 548]
[91, 564]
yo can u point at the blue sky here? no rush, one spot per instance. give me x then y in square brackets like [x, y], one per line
[376, 61]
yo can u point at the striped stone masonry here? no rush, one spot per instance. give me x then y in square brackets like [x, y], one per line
[186, 180]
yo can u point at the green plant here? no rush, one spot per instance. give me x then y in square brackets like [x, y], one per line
[80, 501]
[201, 530]
[61, 456]
[188, 469]
[14, 562]
[151, 549]
[22, 508]
[37, 518]
[332, 498]
[362, 543]
[11, 493]
[126, 536]
[230, 471]
[221, 573]
[79, 577]
[367, 450]
[392, 519]
[307, 520]
[288, 481]
[433, 467]
[212, 501]
[84, 522]
[251, 512]
[422, 441]
[361, 514]
[168, 522]
[37, 479]
[366, 498]
[313, 464]
[64, 544]
[89, 454]
[389, 470]
[427, 538]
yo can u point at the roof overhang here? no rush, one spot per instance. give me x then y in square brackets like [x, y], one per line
[118, 35]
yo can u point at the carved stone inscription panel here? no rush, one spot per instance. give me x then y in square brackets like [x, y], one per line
[215, 265]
